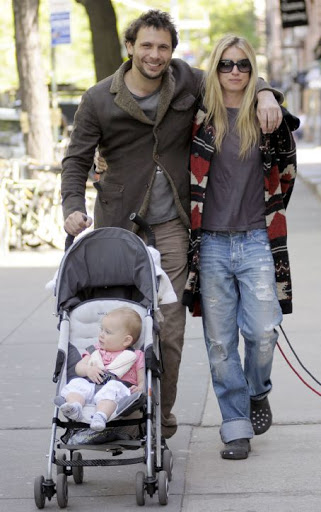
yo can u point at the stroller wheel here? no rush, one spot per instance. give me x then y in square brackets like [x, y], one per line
[39, 493]
[77, 471]
[62, 490]
[162, 488]
[61, 469]
[140, 488]
[168, 463]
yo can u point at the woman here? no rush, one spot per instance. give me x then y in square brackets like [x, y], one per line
[242, 181]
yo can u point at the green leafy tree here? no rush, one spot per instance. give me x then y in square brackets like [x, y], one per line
[233, 16]
[8, 71]
[106, 47]
[223, 16]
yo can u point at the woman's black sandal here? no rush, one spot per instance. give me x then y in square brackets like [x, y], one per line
[261, 415]
[236, 450]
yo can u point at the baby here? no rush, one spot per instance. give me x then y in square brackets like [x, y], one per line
[119, 330]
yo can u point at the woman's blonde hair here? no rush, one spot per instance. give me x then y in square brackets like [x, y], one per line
[246, 124]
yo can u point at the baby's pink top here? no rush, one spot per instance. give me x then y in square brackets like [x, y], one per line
[131, 375]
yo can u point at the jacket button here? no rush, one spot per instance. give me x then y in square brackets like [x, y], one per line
[196, 155]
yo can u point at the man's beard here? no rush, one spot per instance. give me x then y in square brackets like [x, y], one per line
[145, 74]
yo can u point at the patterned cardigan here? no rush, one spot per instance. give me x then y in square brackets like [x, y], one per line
[279, 168]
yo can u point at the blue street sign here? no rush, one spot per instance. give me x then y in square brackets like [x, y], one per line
[60, 28]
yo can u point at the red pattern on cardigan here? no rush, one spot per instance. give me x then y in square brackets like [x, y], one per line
[279, 167]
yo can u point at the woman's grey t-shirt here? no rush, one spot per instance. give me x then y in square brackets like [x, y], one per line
[162, 206]
[234, 199]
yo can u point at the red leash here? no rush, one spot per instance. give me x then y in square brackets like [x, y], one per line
[292, 367]
[297, 373]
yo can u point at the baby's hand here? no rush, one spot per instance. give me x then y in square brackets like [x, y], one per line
[134, 389]
[95, 374]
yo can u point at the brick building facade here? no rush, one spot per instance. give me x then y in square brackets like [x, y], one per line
[294, 63]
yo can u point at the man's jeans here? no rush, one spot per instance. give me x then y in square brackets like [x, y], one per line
[238, 293]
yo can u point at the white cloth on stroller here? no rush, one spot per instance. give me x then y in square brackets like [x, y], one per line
[119, 366]
[166, 293]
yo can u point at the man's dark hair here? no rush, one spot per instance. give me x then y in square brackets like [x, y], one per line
[152, 18]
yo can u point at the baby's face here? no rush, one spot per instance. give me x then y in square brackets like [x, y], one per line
[112, 335]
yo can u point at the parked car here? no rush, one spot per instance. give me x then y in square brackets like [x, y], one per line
[11, 137]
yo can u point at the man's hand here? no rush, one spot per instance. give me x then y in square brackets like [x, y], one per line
[269, 112]
[77, 222]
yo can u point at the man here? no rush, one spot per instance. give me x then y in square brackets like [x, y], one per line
[141, 120]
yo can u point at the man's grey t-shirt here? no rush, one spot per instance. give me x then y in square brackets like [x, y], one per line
[162, 206]
[234, 199]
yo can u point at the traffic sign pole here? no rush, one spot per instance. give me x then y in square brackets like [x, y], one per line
[60, 34]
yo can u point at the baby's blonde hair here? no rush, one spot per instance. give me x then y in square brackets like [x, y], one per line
[130, 319]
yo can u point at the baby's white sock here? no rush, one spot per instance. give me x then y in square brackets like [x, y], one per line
[98, 421]
[72, 411]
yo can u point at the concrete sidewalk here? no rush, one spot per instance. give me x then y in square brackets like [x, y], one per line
[282, 473]
[309, 165]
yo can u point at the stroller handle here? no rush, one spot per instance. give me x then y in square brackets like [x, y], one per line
[151, 241]
[134, 218]
[69, 241]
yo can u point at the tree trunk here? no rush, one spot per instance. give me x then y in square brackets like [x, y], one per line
[106, 47]
[33, 89]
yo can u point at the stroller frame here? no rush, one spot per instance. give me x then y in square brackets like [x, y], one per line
[157, 457]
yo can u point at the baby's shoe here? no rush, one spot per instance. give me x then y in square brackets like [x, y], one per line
[98, 422]
[72, 411]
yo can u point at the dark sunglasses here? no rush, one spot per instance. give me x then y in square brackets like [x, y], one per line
[226, 66]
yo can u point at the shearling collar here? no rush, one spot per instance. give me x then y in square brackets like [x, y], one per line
[125, 100]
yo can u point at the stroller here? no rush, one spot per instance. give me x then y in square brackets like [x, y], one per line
[106, 269]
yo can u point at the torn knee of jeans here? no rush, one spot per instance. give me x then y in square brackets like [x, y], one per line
[217, 351]
[212, 301]
[266, 347]
[264, 291]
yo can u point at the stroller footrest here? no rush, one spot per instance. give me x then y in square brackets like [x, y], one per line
[100, 462]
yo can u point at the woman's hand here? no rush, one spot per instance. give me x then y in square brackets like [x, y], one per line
[100, 163]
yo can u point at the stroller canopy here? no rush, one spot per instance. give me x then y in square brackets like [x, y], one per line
[105, 263]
